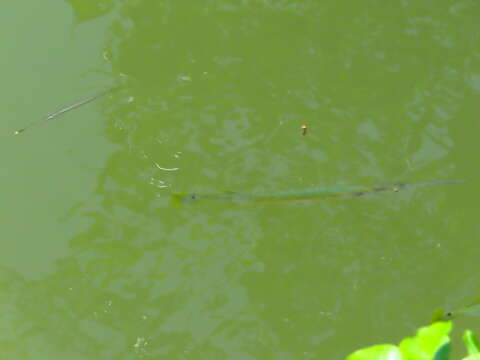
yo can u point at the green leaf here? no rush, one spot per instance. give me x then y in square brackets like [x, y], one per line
[472, 357]
[377, 352]
[427, 342]
[471, 342]
[443, 353]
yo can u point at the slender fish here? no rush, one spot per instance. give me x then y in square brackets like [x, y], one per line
[308, 194]
[61, 111]
[472, 309]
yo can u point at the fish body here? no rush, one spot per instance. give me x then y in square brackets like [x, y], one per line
[61, 111]
[286, 195]
[307, 194]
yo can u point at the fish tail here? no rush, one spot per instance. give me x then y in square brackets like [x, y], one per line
[444, 182]
[178, 199]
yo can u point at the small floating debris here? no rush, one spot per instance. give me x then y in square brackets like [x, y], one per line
[184, 78]
[304, 129]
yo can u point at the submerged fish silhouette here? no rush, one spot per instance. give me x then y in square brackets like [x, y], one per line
[307, 194]
[61, 111]
[472, 309]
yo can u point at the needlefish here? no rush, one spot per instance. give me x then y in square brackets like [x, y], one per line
[307, 194]
[62, 110]
[472, 309]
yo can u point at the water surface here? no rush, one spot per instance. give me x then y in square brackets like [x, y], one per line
[97, 263]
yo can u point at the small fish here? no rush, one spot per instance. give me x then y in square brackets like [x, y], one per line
[61, 111]
[472, 309]
[307, 194]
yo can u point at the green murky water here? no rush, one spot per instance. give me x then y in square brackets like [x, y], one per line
[96, 262]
